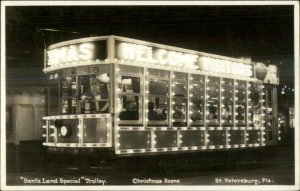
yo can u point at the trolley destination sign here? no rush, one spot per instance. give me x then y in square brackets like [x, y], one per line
[74, 54]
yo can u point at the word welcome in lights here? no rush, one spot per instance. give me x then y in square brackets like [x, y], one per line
[141, 53]
[72, 53]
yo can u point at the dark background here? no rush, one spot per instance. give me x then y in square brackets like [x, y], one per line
[262, 33]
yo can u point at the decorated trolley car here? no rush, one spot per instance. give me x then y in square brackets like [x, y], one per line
[133, 97]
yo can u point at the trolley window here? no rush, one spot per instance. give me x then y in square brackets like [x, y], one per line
[79, 90]
[240, 102]
[158, 97]
[227, 102]
[257, 98]
[197, 100]
[68, 95]
[179, 102]
[53, 95]
[130, 95]
[93, 93]
[250, 103]
[212, 90]
[158, 101]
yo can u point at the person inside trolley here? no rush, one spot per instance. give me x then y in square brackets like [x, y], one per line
[152, 114]
[95, 98]
[226, 112]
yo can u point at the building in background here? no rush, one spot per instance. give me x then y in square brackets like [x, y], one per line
[25, 107]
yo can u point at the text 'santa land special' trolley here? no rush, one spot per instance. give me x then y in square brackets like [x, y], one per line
[134, 97]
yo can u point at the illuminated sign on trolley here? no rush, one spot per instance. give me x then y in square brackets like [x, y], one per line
[141, 53]
[224, 66]
[71, 53]
[82, 53]
[135, 52]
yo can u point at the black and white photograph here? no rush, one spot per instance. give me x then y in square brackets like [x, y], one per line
[150, 95]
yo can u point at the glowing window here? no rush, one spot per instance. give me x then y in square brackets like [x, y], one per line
[93, 93]
[212, 105]
[179, 100]
[130, 96]
[227, 102]
[240, 102]
[53, 96]
[197, 100]
[158, 97]
[68, 91]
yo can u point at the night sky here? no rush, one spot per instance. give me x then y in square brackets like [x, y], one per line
[262, 33]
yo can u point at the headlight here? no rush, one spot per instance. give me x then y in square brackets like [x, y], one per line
[65, 130]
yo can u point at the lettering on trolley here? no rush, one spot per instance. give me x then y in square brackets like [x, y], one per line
[224, 66]
[72, 53]
[141, 53]
[163, 57]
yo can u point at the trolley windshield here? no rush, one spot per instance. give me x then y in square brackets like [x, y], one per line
[81, 90]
